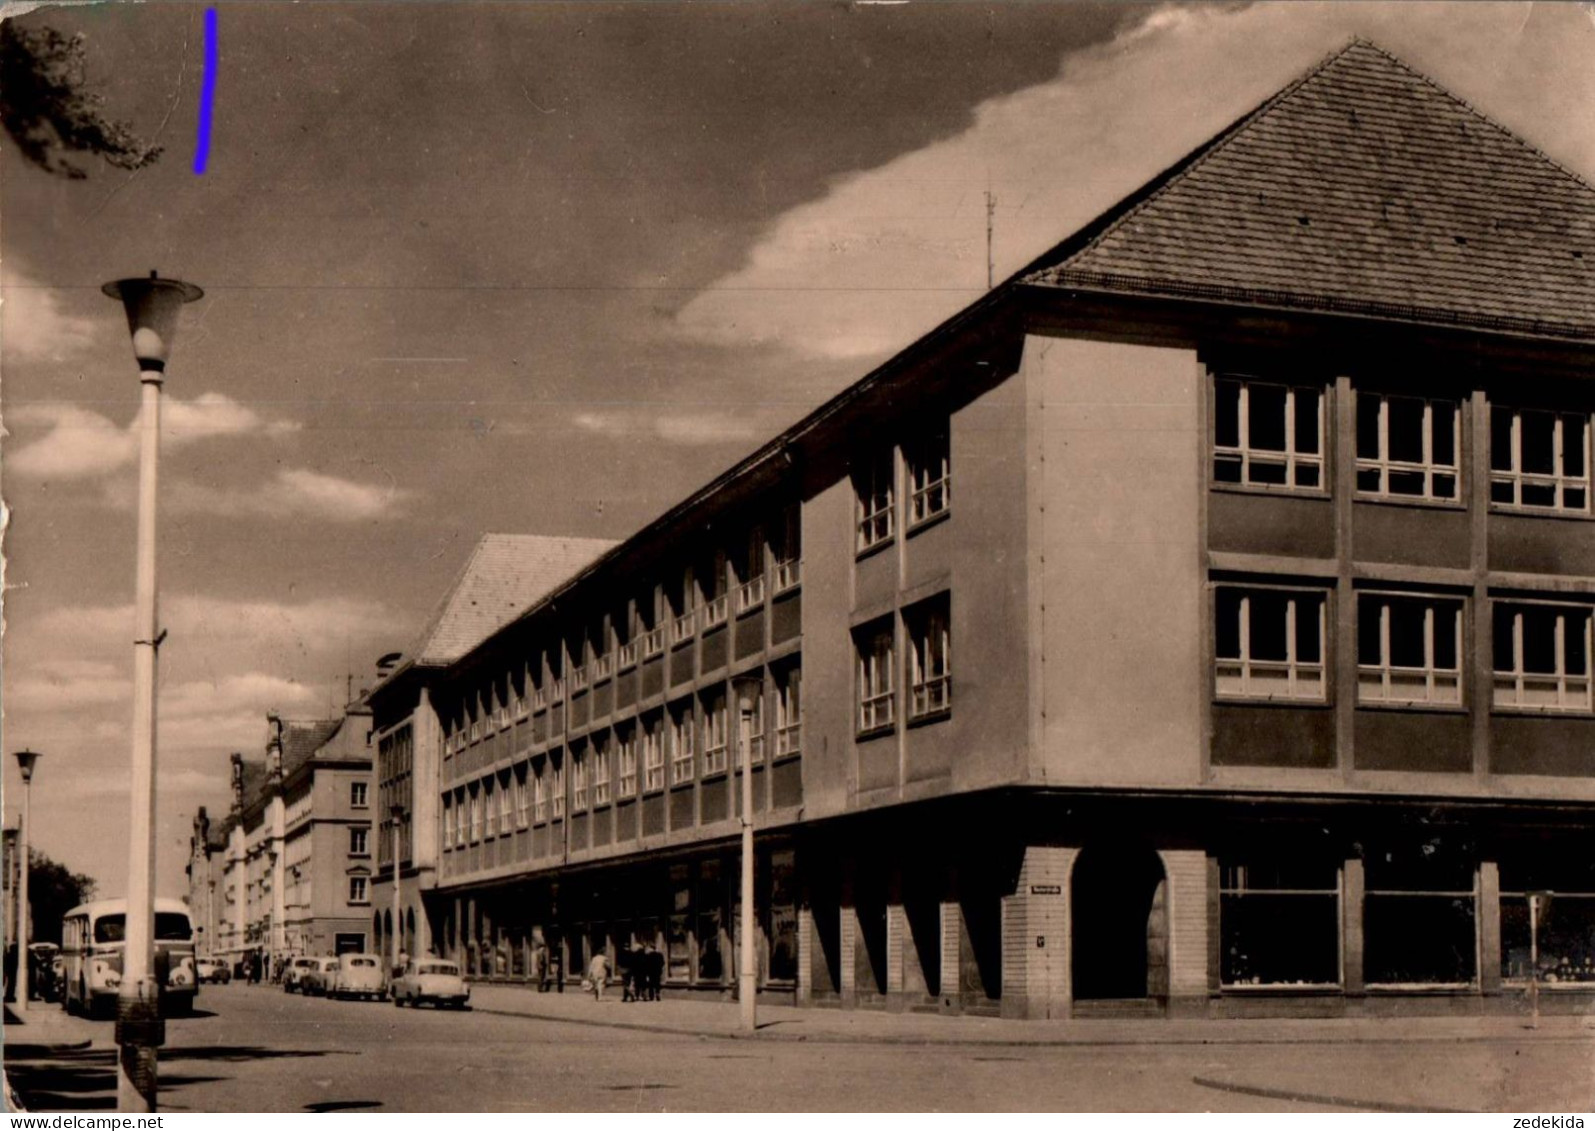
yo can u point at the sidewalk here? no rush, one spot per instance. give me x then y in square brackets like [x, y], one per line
[720, 1019]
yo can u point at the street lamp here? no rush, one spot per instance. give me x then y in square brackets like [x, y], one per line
[26, 760]
[748, 688]
[396, 815]
[152, 306]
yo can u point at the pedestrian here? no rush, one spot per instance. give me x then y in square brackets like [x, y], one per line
[540, 968]
[556, 964]
[630, 971]
[655, 971]
[598, 973]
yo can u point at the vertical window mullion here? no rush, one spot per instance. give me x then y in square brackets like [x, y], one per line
[1517, 458]
[1427, 444]
[1290, 436]
[1428, 650]
[1384, 645]
[1517, 657]
[1557, 465]
[1290, 646]
[1384, 445]
[1246, 645]
[1244, 432]
[1561, 659]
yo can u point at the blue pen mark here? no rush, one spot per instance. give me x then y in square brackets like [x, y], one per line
[207, 94]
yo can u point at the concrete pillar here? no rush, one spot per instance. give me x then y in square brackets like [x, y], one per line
[807, 955]
[1187, 878]
[1036, 936]
[952, 931]
[1351, 916]
[851, 942]
[1489, 921]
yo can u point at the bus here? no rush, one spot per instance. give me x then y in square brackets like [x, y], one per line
[91, 946]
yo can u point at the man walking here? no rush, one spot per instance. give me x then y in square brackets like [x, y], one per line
[598, 973]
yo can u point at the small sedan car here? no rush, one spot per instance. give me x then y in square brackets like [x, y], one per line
[433, 980]
[213, 970]
[358, 975]
[317, 978]
[293, 976]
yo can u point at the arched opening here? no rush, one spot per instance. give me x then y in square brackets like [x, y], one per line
[409, 933]
[1119, 922]
[376, 932]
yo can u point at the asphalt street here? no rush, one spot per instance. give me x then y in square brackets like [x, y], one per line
[258, 1049]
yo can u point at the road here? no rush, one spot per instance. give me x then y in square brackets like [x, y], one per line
[257, 1049]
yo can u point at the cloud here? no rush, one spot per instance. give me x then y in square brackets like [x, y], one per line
[82, 444]
[35, 326]
[293, 493]
[886, 254]
[708, 426]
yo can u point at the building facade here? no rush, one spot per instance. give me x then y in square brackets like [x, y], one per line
[207, 857]
[295, 868]
[1259, 512]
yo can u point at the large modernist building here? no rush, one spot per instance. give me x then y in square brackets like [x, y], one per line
[1201, 622]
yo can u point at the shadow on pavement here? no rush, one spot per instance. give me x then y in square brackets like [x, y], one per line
[326, 1106]
[80, 1078]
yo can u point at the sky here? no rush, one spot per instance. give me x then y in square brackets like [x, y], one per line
[537, 268]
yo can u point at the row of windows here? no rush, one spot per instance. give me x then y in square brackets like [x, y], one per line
[927, 480]
[927, 630]
[1269, 643]
[693, 736]
[1275, 435]
[703, 595]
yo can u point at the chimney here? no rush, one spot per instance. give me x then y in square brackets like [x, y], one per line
[238, 784]
[274, 748]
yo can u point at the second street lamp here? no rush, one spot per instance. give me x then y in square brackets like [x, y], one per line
[26, 761]
[748, 688]
[396, 812]
[152, 306]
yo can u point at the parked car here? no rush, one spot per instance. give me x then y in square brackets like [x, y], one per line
[317, 978]
[213, 970]
[433, 980]
[358, 975]
[294, 973]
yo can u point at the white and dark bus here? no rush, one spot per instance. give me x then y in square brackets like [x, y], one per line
[92, 937]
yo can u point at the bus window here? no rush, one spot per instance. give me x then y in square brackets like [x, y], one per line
[169, 927]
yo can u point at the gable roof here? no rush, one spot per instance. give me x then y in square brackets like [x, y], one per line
[1362, 187]
[301, 741]
[506, 574]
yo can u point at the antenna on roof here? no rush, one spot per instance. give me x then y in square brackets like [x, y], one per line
[991, 212]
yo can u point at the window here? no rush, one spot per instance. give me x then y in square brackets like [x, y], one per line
[877, 658]
[476, 815]
[1418, 916]
[1269, 643]
[714, 733]
[1268, 435]
[1407, 447]
[1542, 656]
[788, 712]
[1540, 460]
[930, 679]
[601, 773]
[875, 492]
[540, 793]
[505, 816]
[488, 807]
[357, 889]
[627, 754]
[1566, 935]
[750, 571]
[1408, 649]
[448, 822]
[788, 549]
[358, 794]
[681, 751]
[716, 601]
[653, 753]
[357, 842]
[686, 622]
[578, 779]
[929, 478]
[461, 817]
[556, 786]
[1279, 919]
[756, 726]
[523, 799]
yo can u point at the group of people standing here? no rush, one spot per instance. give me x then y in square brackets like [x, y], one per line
[641, 969]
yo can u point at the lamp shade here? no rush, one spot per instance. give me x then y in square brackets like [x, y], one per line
[26, 760]
[152, 305]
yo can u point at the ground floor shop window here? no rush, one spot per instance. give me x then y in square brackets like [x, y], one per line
[1566, 931]
[1280, 922]
[711, 911]
[783, 924]
[678, 933]
[1419, 917]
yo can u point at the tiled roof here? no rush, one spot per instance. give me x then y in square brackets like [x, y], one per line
[1362, 187]
[254, 782]
[507, 574]
[300, 740]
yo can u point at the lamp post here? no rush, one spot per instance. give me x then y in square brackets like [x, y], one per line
[151, 306]
[747, 688]
[396, 815]
[26, 760]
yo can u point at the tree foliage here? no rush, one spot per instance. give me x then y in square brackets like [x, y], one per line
[48, 109]
[53, 890]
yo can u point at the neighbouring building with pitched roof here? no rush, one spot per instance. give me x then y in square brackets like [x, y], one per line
[296, 847]
[505, 575]
[1200, 622]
